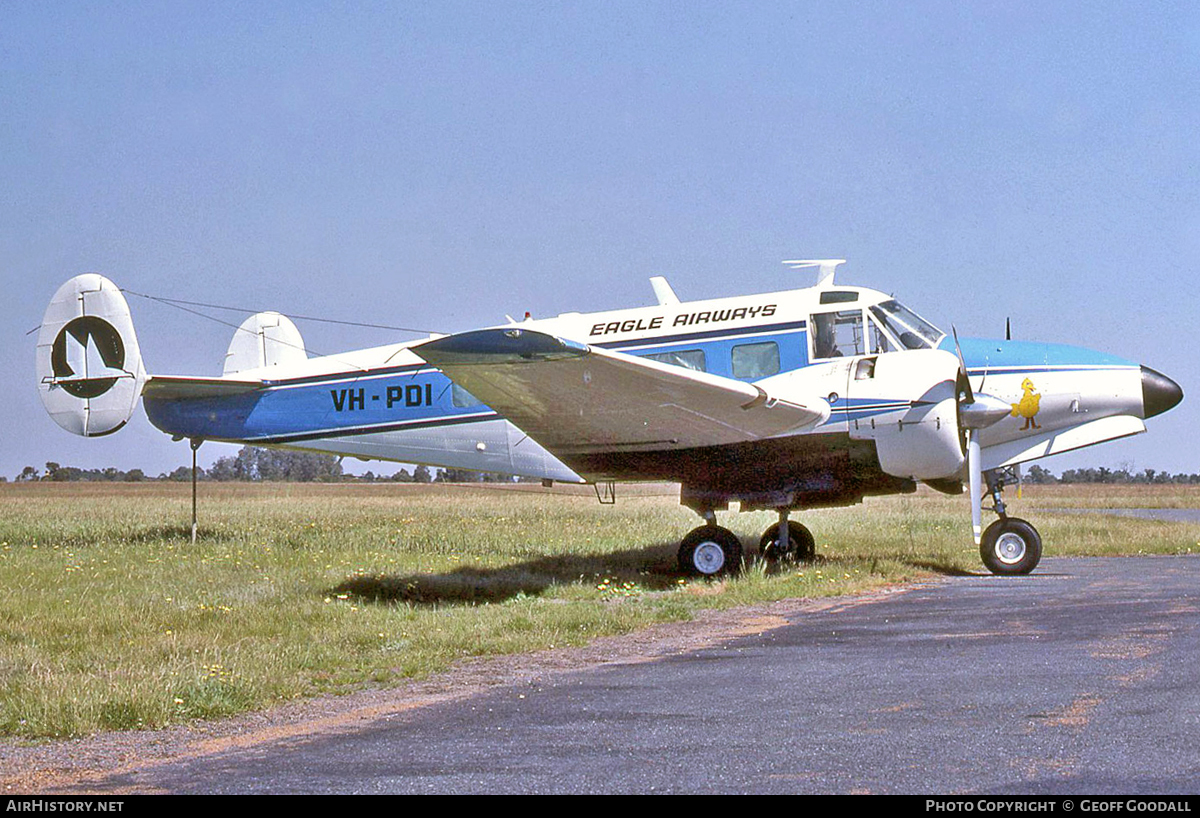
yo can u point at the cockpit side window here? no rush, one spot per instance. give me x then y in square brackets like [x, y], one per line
[913, 331]
[879, 339]
[838, 334]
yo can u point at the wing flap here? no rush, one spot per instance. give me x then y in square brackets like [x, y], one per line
[575, 399]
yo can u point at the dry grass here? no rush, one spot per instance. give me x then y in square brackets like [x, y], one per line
[111, 619]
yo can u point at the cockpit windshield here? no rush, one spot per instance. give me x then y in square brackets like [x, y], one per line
[913, 331]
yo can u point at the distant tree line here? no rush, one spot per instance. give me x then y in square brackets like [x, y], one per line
[1146, 477]
[254, 464]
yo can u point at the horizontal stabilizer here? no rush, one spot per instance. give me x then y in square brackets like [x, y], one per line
[573, 398]
[176, 387]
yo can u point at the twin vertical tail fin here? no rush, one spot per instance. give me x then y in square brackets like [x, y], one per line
[89, 367]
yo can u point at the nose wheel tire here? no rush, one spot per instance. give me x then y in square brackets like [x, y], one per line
[710, 551]
[801, 545]
[1010, 546]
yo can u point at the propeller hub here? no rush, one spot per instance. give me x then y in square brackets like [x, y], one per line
[984, 411]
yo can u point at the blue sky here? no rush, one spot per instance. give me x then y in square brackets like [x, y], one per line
[437, 165]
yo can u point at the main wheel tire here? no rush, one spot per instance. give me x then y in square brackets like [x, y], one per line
[801, 544]
[710, 551]
[1011, 546]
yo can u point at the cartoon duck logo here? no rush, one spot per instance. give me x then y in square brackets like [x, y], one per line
[1028, 407]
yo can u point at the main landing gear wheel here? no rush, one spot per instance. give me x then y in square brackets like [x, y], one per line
[710, 551]
[801, 545]
[1010, 546]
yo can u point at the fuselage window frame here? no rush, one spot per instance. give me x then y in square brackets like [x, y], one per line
[837, 334]
[755, 361]
[692, 359]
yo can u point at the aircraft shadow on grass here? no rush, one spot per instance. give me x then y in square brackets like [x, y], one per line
[652, 569]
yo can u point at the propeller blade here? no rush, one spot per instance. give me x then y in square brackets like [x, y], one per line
[973, 418]
[975, 480]
[966, 393]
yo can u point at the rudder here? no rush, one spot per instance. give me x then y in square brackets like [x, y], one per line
[265, 339]
[89, 366]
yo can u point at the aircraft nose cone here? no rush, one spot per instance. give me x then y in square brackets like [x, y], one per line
[1159, 393]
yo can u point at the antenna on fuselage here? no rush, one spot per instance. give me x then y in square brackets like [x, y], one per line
[826, 267]
[663, 291]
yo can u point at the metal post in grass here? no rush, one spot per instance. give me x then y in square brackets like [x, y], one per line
[195, 445]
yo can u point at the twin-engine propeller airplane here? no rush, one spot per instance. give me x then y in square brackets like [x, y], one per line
[783, 401]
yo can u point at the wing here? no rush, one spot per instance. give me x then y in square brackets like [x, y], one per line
[576, 399]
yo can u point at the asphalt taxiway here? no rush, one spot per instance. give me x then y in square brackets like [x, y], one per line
[1083, 678]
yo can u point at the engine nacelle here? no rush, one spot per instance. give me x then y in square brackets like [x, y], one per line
[907, 403]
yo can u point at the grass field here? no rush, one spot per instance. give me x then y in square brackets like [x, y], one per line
[111, 619]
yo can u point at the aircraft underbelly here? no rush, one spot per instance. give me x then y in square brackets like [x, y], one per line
[799, 471]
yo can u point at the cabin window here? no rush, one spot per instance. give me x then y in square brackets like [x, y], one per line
[687, 358]
[755, 360]
[462, 398]
[838, 334]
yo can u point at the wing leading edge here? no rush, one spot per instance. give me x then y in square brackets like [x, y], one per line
[576, 399]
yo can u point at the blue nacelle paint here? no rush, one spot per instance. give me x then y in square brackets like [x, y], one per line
[1051, 388]
[988, 355]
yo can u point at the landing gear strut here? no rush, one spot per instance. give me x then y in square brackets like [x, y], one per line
[1009, 545]
[799, 545]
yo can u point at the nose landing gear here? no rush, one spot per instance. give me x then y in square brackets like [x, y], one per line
[1009, 545]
